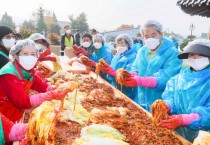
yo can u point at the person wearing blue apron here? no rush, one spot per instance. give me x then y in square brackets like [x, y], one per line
[124, 58]
[187, 95]
[156, 62]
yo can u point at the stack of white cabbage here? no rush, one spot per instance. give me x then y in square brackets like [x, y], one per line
[96, 134]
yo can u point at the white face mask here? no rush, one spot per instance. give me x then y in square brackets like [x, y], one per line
[97, 45]
[121, 49]
[68, 31]
[40, 47]
[198, 63]
[8, 43]
[27, 62]
[86, 44]
[152, 43]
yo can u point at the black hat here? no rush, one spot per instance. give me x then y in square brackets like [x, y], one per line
[93, 30]
[87, 35]
[199, 46]
[4, 30]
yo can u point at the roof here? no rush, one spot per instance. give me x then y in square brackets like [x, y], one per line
[195, 7]
[132, 32]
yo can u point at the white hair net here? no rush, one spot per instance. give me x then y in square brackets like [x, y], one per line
[152, 24]
[126, 37]
[21, 44]
[38, 36]
[101, 37]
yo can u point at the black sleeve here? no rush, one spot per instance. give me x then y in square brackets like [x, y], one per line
[141, 42]
[135, 41]
[63, 42]
[73, 40]
[3, 61]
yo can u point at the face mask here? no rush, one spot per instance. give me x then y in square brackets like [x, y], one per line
[121, 49]
[8, 43]
[40, 47]
[152, 43]
[199, 63]
[86, 44]
[68, 31]
[27, 62]
[97, 45]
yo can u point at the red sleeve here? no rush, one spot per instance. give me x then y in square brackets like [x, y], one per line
[7, 125]
[39, 85]
[14, 91]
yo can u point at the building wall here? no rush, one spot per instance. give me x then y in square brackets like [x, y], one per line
[111, 35]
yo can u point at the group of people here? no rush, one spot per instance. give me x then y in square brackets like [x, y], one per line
[17, 77]
[157, 72]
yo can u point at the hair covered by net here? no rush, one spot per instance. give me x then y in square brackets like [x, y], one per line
[101, 37]
[126, 37]
[22, 44]
[152, 24]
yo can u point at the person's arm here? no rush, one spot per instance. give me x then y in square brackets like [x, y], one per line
[12, 132]
[3, 61]
[14, 91]
[7, 125]
[202, 123]
[168, 95]
[73, 39]
[63, 42]
[175, 120]
[40, 85]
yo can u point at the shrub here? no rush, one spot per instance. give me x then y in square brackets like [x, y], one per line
[54, 38]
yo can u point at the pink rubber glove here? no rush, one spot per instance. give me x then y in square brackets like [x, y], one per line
[133, 73]
[50, 88]
[17, 131]
[37, 99]
[149, 82]
[111, 72]
[175, 121]
[108, 70]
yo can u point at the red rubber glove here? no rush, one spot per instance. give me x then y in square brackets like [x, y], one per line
[78, 50]
[41, 75]
[175, 121]
[90, 63]
[86, 61]
[149, 82]
[37, 99]
[45, 53]
[48, 58]
[17, 131]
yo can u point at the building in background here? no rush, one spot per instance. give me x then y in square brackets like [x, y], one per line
[111, 35]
